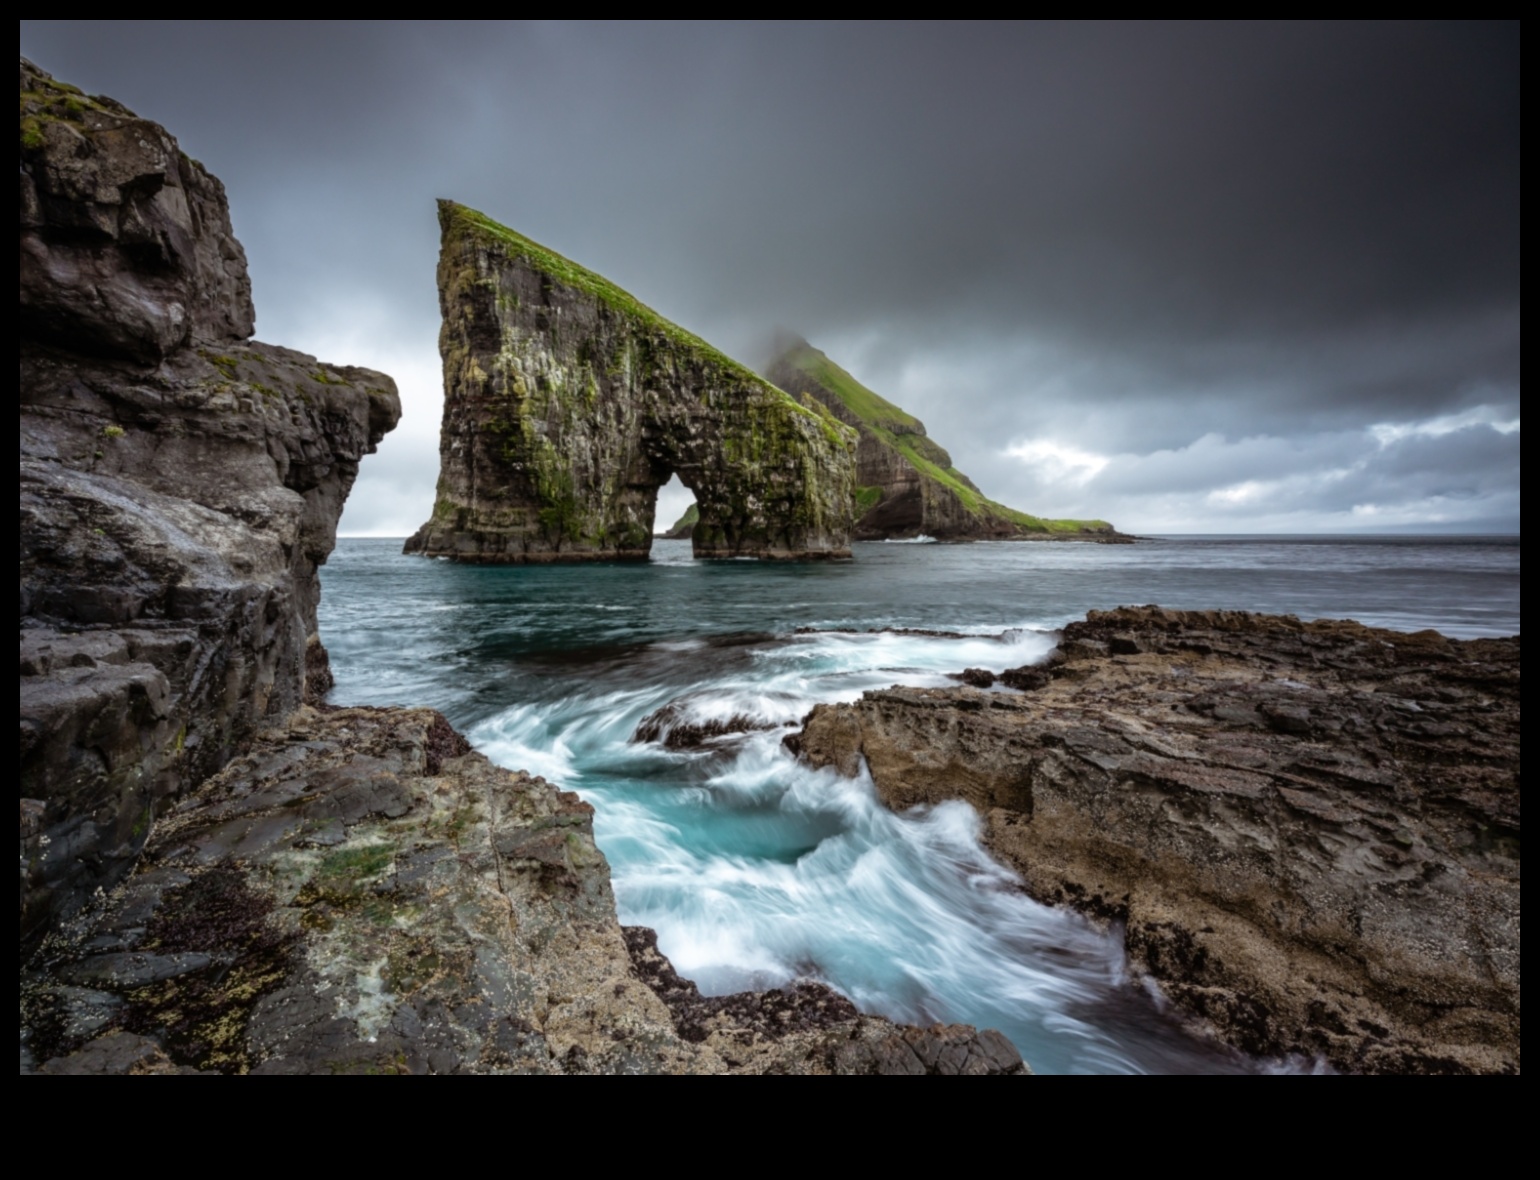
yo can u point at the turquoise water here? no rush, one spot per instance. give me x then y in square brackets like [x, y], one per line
[755, 870]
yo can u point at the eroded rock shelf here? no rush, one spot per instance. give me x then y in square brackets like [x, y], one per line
[1309, 830]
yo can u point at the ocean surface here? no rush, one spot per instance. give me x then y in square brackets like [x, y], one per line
[755, 870]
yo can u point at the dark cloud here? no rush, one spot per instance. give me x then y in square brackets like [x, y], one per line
[1121, 238]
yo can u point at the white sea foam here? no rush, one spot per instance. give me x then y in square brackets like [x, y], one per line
[757, 870]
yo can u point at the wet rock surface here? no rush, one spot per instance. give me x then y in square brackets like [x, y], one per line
[673, 728]
[568, 404]
[219, 874]
[1310, 830]
[180, 485]
[810, 1028]
[350, 897]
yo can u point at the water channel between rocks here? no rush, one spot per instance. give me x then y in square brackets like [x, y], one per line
[755, 870]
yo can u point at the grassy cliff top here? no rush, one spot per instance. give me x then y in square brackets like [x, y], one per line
[454, 216]
[872, 408]
[904, 433]
[457, 218]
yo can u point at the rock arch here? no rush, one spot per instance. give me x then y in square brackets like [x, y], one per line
[568, 404]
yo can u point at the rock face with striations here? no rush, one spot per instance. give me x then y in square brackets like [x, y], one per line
[906, 483]
[179, 486]
[568, 405]
[1310, 830]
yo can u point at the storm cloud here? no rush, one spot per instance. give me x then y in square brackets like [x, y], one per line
[1185, 277]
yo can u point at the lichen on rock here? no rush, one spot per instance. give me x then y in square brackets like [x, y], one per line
[568, 404]
[219, 872]
[1309, 832]
[362, 894]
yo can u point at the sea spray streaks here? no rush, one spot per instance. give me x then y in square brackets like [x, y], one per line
[757, 871]
[755, 868]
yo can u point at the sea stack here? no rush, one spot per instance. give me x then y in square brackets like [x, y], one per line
[568, 404]
[220, 871]
[906, 483]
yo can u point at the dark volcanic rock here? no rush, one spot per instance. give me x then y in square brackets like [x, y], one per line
[568, 404]
[1026, 678]
[1311, 830]
[809, 1028]
[352, 897]
[672, 727]
[126, 246]
[179, 488]
[348, 890]
[976, 677]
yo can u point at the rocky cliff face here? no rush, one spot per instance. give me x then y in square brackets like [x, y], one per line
[179, 487]
[568, 404]
[348, 890]
[1311, 831]
[906, 483]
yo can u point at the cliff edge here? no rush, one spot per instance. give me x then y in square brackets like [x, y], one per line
[906, 483]
[568, 404]
[180, 485]
[220, 872]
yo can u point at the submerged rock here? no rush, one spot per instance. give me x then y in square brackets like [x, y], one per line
[675, 728]
[907, 485]
[1310, 830]
[180, 485]
[351, 896]
[568, 404]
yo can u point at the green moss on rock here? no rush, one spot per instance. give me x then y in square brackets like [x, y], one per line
[907, 481]
[569, 402]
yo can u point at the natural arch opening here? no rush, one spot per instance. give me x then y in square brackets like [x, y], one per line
[675, 513]
[568, 406]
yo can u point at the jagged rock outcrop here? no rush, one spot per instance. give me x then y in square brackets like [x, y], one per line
[1310, 830]
[126, 246]
[179, 487]
[906, 483]
[362, 894]
[568, 404]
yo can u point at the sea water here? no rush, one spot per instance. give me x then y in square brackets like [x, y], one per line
[756, 870]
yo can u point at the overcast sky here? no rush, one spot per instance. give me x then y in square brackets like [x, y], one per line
[1187, 278]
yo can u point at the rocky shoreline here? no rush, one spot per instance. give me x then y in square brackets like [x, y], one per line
[360, 893]
[219, 873]
[1309, 832]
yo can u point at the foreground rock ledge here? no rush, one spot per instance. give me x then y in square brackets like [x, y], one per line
[1311, 830]
[362, 894]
